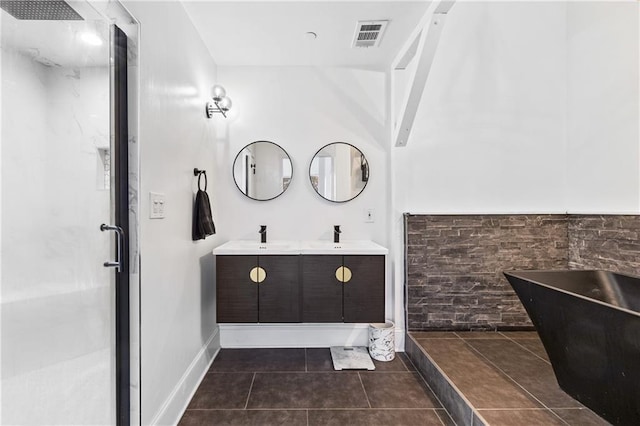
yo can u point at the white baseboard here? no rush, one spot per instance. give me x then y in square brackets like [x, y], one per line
[400, 336]
[176, 403]
[298, 335]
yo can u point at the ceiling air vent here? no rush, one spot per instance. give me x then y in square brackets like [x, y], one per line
[369, 33]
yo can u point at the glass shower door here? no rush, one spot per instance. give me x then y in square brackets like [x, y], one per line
[56, 296]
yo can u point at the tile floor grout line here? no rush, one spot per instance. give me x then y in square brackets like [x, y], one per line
[527, 349]
[307, 410]
[558, 416]
[277, 371]
[403, 363]
[422, 350]
[364, 390]
[318, 409]
[514, 381]
[306, 369]
[543, 408]
[417, 371]
[505, 374]
[249, 409]
[525, 409]
[553, 413]
[446, 413]
[459, 336]
[246, 404]
[351, 371]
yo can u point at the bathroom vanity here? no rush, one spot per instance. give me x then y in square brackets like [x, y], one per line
[300, 281]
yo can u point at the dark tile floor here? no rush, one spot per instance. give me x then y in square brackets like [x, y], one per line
[506, 377]
[299, 387]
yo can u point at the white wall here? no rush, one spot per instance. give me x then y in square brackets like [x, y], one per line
[603, 166]
[178, 329]
[302, 109]
[490, 130]
[517, 117]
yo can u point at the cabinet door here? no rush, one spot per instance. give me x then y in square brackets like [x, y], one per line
[364, 293]
[321, 291]
[279, 293]
[237, 294]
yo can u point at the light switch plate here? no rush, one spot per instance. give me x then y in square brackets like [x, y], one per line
[156, 205]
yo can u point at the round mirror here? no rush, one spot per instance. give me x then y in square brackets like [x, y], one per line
[339, 172]
[262, 170]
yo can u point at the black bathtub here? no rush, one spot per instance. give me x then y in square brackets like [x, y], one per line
[589, 323]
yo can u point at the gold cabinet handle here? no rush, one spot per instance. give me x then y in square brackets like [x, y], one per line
[257, 274]
[343, 274]
[347, 274]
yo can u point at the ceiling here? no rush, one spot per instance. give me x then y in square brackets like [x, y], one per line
[57, 43]
[272, 33]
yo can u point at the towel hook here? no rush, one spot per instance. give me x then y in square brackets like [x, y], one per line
[200, 173]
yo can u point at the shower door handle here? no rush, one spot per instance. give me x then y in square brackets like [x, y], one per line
[120, 234]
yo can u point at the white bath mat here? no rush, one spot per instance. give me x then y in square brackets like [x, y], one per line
[351, 358]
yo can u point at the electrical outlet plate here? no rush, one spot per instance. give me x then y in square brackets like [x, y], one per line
[156, 205]
[369, 216]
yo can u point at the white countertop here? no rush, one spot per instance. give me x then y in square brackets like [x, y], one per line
[255, 247]
[248, 247]
[343, 247]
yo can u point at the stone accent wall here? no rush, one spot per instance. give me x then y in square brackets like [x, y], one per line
[609, 242]
[455, 262]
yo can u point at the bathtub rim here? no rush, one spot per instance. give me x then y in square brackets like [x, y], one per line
[514, 273]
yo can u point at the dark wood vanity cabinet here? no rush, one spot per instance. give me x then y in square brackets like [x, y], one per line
[300, 288]
[279, 293]
[254, 289]
[236, 294]
[363, 294]
[321, 291]
[353, 295]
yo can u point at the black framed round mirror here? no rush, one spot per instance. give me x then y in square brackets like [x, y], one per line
[339, 172]
[262, 170]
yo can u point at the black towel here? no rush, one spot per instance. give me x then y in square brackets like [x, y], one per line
[203, 225]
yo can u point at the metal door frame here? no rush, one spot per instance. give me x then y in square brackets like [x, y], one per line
[120, 167]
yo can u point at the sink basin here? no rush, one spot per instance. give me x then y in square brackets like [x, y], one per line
[344, 247]
[299, 247]
[255, 247]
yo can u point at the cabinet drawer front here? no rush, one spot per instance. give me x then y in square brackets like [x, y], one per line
[237, 294]
[279, 293]
[364, 293]
[321, 291]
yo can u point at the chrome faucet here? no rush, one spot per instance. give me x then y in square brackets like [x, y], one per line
[336, 233]
[263, 233]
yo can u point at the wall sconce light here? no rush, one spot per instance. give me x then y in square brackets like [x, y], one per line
[220, 103]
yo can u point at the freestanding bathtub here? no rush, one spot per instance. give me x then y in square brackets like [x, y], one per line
[589, 324]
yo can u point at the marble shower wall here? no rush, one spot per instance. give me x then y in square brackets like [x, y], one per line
[454, 263]
[56, 326]
[55, 130]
